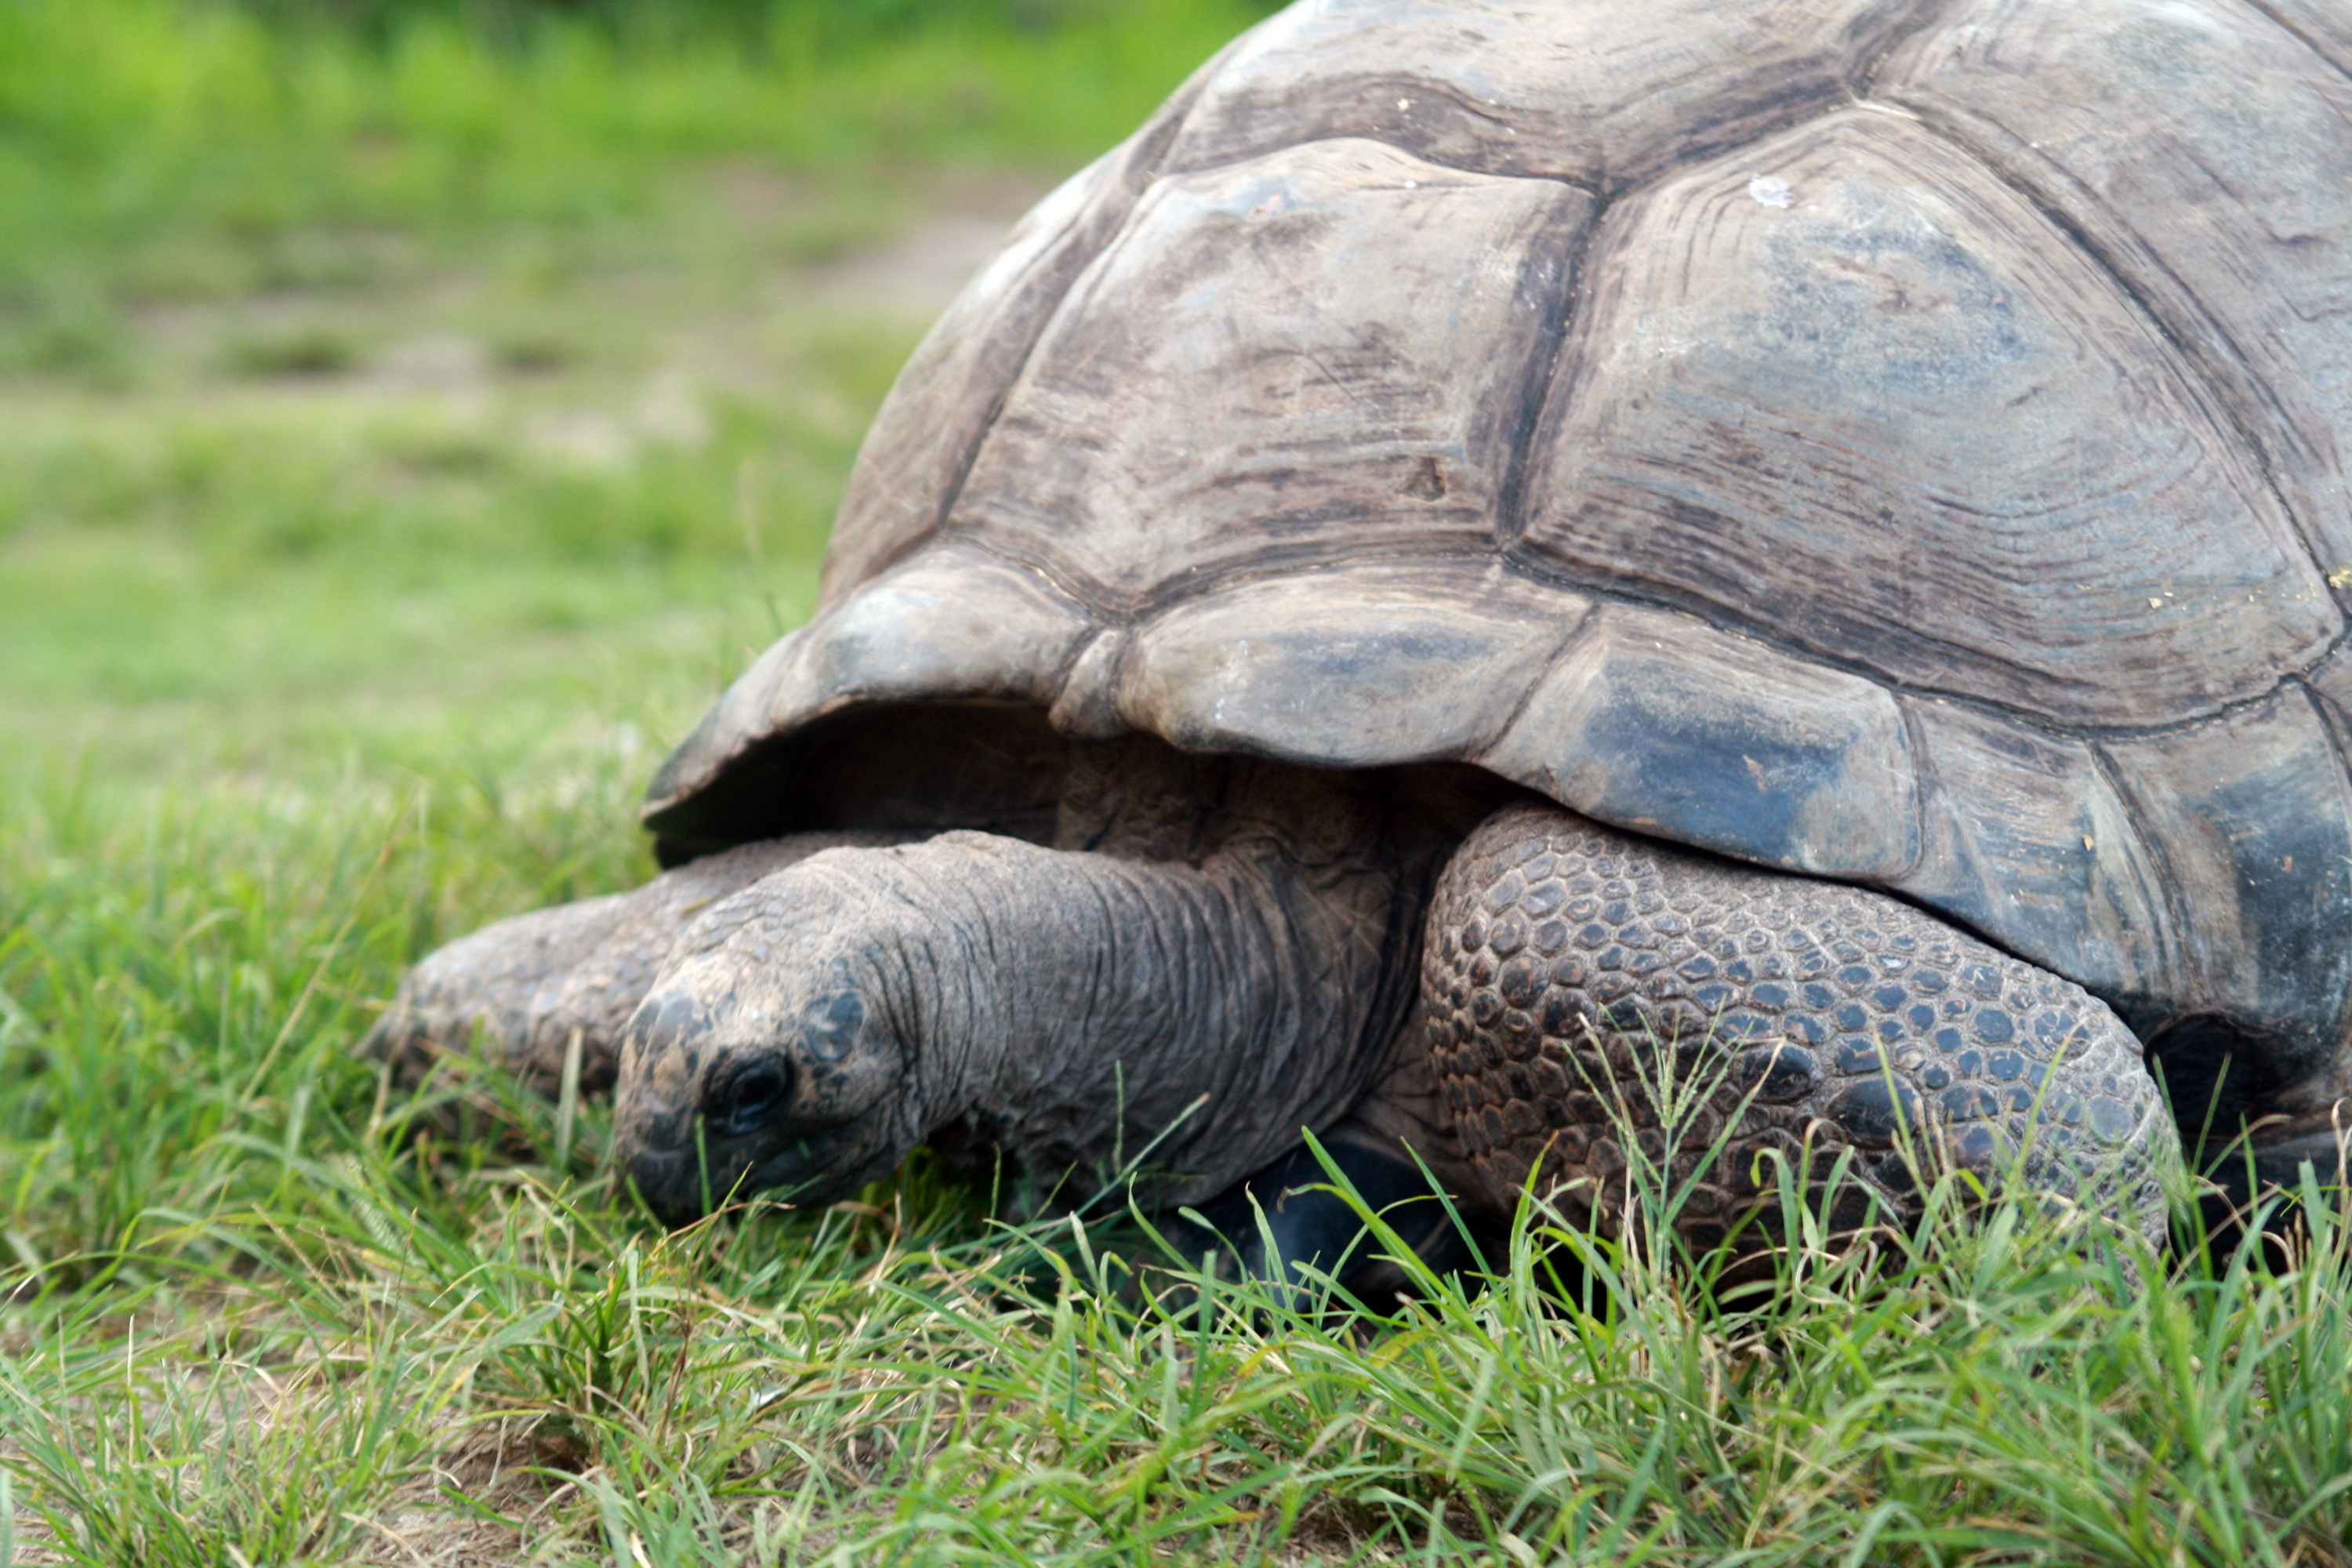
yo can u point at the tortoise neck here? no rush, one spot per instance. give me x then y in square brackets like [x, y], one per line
[1104, 1016]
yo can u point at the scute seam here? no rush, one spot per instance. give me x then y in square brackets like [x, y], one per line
[2333, 719]
[1510, 496]
[1216, 164]
[1865, 78]
[2172, 945]
[1858, 80]
[1289, 560]
[1926, 782]
[1716, 616]
[1271, 561]
[1568, 640]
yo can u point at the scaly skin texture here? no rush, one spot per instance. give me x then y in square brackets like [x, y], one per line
[531, 982]
[1576, 977]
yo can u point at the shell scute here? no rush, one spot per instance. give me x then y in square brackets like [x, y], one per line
[949, 623]
[2205, 153]
[2026, 838]
[2254, 812]
[1347, 666]
[1312, 352]
[1853, 389]
[1658, 723]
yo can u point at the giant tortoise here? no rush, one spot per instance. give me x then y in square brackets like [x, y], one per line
[1495, 553]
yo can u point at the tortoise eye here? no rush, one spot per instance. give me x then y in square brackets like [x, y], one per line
[745, 1101]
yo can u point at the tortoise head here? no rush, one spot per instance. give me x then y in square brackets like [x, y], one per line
[765, 1057]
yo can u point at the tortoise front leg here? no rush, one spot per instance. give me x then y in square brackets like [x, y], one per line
[1578, 978]
[532, 982]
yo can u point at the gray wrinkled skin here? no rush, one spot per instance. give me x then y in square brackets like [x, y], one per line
[1068, 1007]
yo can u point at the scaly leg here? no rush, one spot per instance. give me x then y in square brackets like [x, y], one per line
[531, 982]
[1586, 987]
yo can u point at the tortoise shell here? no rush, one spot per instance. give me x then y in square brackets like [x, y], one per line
[1896, 441]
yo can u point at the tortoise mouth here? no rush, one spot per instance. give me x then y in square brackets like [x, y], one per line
[682, 1186]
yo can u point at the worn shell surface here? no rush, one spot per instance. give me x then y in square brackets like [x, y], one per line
[1901, 442]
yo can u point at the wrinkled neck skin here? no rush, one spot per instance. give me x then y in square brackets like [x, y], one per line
[1175, 991]
[1110, 1013]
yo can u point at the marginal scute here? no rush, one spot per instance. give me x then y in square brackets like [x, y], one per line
[923, 436]
[1326, 349]
[1660, 723]
[2208, 154]
[2026, 841]
[2253, 814]
[1591, 91]
[951, 623]
[1347, 666]
[1852, 390]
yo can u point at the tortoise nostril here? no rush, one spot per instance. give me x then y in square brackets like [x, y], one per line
[741, 1102]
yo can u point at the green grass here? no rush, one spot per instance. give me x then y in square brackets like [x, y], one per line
[407, 424]
[263, 1319]
[154, 152]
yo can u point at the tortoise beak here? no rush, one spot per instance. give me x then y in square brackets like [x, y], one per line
[663, 1148]
[667, 1185]
[683, 1164]
[696, 1123]
[683, 1179]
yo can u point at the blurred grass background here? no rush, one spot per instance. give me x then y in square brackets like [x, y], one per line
[155, 151]
[359, 359]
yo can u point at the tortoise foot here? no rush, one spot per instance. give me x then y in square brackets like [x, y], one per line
[528, 986]
[1289, 1222]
